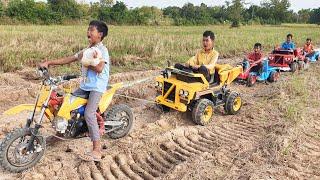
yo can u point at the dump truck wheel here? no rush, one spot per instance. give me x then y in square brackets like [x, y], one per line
[202, 112]
[233, 103]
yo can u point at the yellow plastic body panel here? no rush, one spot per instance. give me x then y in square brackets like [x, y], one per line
[69, 103]
[192, 88]
[106, 98]
[44, 92]
[20, 108]
[226, 73]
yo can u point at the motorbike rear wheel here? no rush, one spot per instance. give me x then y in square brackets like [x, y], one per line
[121, 113]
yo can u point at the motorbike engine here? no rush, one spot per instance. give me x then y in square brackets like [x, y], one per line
[60, 125]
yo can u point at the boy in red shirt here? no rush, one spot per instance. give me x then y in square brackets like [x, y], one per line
[254, 56]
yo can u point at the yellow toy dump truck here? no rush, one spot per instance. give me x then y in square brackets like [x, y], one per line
[184, 91]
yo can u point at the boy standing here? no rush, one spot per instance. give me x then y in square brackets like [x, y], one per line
[94, 83]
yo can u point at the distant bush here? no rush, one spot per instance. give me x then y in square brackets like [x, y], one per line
[234, 13]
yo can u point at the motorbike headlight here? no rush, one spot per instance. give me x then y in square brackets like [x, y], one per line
[181, 92]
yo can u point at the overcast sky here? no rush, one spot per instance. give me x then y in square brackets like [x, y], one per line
[296, 5]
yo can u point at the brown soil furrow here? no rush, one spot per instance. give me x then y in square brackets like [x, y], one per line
[160, 159]
[122, 161]
[138, 170]
[208, 141]
[219, 132]
[253, 126]
[248, 129]
[156, 165]
[177, 155]
[309, 171]
[117, 172]
[217, 137]
[85, 172]
[141, 161]
[180, 150]
[196, 141]
[313, 140]
[171, 158]
[95, 172]
[243, 130]
[106, 171]
[185, 145]
[236, 134]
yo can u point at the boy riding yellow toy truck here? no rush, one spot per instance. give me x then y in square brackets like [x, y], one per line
[199, 87]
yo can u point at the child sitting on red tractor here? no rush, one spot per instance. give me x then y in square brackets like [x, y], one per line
[288, 57]
[288, 44]
[309, 51]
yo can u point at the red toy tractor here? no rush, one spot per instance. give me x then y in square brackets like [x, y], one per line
[288, 60]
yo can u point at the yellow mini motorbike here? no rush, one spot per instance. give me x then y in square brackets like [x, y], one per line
[23, 148]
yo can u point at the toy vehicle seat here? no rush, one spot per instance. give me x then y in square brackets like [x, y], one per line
[283, 51]
[221, 73]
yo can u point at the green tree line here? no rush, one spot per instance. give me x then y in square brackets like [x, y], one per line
[234, 12]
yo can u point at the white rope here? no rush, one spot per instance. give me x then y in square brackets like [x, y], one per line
[139, 99]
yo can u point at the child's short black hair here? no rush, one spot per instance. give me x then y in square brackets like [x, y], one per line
[258, 45]
[209, 34]
[308, 39]
[101, 27]
[290, 35]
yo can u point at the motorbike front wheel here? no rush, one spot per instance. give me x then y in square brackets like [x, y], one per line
[14, 154]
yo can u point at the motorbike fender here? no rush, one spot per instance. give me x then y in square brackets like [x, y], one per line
[18, 109]
[106, 98]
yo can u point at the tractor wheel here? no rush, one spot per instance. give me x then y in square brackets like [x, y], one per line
[202, 112]
[294, 67]
[233, 103]
[252, 79]
[274, 76]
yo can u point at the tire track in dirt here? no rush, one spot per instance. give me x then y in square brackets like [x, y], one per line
[176, 148]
